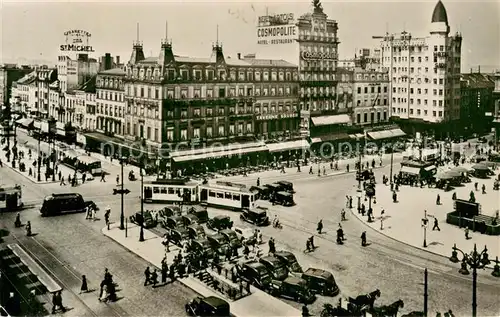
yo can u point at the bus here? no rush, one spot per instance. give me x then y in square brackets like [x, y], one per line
[170, 191]
[10, 197]
[227, 195]
[89, 164]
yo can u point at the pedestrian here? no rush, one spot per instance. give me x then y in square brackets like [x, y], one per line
[436, 225]
[342, 215]
[84, 288]
[166, 242]
[103, 177]
[324, 170]
[84, 177]
[454, 196]
[467, 233]
[54, 302]
[347, 167]
[438, 200]
[350, 201]
[69, 179]
[28, 229]
[59, 175]
[484, 189]
[258, 181]
[363, 239]
[147, 276]
[117, 179]
[320, 226]
[164, 272]
[106, 216]
[59, 301]
[475, 186]
[154, 278]
[88, 212]
[62, 183]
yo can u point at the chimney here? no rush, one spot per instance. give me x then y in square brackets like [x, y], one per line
[117, 60]
[479, 69]
[239, 55]
[108, 61]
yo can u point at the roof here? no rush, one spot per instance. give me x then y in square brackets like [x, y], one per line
[478, 80]
[149, 60]
[269, 62]
[113, 71]
[328, 120]
[439, 14]
[196, 60]
[55, 84]
[89, 85]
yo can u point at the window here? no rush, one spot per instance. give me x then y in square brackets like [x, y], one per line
[210, 74]
[183, 135]
[231, 129]
[184, 74]
[359, 90]
[148, 133]
[221, 130]
[209, 112]
[196, 112]
[434, 113]
[197, 74]
[249, 128]
[156, 134]
[196, 133]
[209, 132]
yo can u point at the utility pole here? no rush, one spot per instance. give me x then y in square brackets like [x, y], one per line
[426, 294]
[122, 215]
[141, 234]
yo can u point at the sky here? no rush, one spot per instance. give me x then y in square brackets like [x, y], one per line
[33, 30]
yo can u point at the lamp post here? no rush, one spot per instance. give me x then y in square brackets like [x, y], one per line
[475, 260]
[122, 215]
[425, 221]
[141, 234]
[359, 166]
[390, 172]
[39, 158]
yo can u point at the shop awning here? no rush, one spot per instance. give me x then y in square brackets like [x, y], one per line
[37, 125]
[356, 136]
[410, 170]
[334, 137]
[287, 146]
[396, 133]
[329, 120]
[25, 122]
[61, 132]
[218, 154]
[430, 168]
[386, 134]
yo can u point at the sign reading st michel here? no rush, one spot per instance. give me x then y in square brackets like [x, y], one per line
[77, 41]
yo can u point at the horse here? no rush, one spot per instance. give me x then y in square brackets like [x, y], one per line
[388, 310]
[365, 300]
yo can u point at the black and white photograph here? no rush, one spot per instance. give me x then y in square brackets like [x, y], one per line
[238, 158]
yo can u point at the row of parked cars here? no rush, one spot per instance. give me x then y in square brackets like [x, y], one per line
[281, 275]
[280, 193]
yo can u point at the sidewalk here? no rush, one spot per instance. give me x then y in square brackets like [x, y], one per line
[257, 304]
[402, 220]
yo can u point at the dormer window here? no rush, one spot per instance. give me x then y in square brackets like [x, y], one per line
[274, 76]
[197, 74]
[281, 76]
[257, 76]
[232, 75]
[266, 76]
[184, 74]
[241, 76]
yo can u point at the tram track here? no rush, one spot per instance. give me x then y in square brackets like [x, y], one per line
[65, 276]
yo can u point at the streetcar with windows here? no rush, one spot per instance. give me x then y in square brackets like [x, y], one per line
[89, 164]
[10, 197]
[170, 191]
[227, 195]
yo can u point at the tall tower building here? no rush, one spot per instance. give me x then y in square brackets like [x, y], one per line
[425, 77]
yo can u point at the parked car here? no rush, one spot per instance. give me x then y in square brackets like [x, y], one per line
[276, 268]
[246, 235]
[196, 231]
[321, 281]
[164, 213]
[190, 219]
[149, 220]
[202, 246]
[231, 238]
[178, 235]
[283, 198]
[208, 306]
[290, 261]
[219, 244]
[255, 273]
[294, 288]
[173, 222]
[261, 192]
[255, 216]
[220, 222]
[200, 212]
[286, 186]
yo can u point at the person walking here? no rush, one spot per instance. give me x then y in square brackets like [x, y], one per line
[436, 225]
[483, 188]
[147, 276]
[117, 179]
[467, 237]
[60, 302]
[164, 272]
[106, 216]
[28, 228]
[320, 226]
[342, 215]
[154, 278]
[84, 288]
[103, 179]
[62, 183]
[54, 303]
[438, 200]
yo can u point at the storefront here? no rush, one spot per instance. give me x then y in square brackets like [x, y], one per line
[287, 151]
[386, 135]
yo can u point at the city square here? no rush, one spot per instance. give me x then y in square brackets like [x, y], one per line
[282, 183]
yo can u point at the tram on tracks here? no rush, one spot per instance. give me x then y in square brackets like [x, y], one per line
[10, 197]
[220, 194]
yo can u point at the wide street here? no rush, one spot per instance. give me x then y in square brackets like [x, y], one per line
[73, 246]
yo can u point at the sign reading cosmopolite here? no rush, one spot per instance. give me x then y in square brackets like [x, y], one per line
[318, 56]
[276, 29]
[77, 41]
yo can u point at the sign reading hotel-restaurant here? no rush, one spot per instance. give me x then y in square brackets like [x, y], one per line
[77, 41]
[276, 29]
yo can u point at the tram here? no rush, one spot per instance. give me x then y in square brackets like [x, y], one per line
[10, 197]
[89, 164]
[227, 195]
[170, 191]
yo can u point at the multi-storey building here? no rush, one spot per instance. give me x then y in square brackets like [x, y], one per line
[74, 73]
[44, 78]
[21, 95]
[477, 102]
[425, 76]
[496, 113]
[9, 74]
[174, 99]
[371, 97]
[318, 49]
[54, 93]
[110, 102]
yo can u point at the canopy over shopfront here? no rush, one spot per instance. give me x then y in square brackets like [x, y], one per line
[25, 122]
[218, 152]
[331, 120]
[288, 146]
[410, 170]
[386, 134]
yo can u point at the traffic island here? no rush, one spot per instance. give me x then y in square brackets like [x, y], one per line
[257, 303]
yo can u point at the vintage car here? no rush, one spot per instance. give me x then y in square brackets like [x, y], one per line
[255, 216]
[290, 261]
[178, 235]
[285, 186]
[200, 212]
[272, 188]
[208, 306]
[149, 220]
[196, 231]
[276, 268]
[255, 273]
[173, 222]
[219, 244]
[164, 213]
[261, 192]
[202, 246]
[190, 219]
[294, 288]
[321, 282]
[282, 198]
[219, 222]
[246, 235]
[231, 238]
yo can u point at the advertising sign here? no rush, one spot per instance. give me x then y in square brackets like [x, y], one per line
[77, 41]
[276, 29]
[318, 56]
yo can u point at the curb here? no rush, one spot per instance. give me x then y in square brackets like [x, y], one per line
[27, 177]
[402, 242]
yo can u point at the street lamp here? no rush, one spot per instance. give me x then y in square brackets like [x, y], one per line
[39, 158]
[474, 260]
[359, 166]
[425, 221]
[141, 234]
[122, 215]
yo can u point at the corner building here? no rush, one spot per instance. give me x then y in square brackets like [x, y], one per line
[425, 77]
